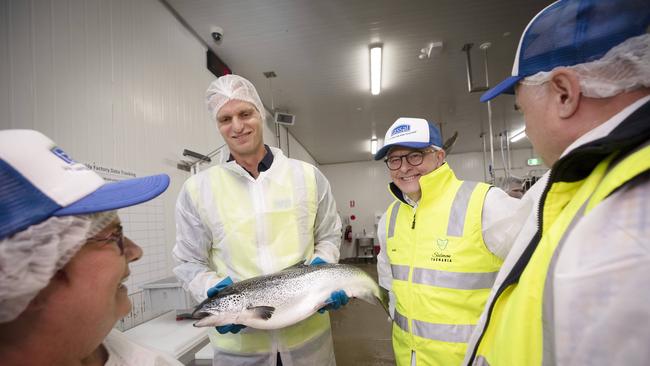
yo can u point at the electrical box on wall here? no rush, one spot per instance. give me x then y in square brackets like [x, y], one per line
[285, 118]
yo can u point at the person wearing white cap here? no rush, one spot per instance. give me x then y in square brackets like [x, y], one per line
[64, 258]
[442, 242]
[575, 289]
[256, 214]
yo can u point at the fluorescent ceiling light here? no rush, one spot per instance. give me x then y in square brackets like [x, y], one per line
[373, 145]
[518, 135]
[375, 70]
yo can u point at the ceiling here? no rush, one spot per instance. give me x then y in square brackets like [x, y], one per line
[319, 51]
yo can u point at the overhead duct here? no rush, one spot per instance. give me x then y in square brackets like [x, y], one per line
[473, 89]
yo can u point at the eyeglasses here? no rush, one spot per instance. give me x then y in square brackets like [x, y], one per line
[116, 236]
[414, 158]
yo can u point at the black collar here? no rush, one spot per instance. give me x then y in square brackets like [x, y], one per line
[264, 165]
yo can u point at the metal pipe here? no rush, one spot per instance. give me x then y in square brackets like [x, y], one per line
[270, 75]
[196, 155]
[484, 157]
[508, 149]
[287, 129]
[489, 107]
[506, 169]
[484, 47]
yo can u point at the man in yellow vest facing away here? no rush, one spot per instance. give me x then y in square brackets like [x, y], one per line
[256, 214]
[578, 292]
[442, 242]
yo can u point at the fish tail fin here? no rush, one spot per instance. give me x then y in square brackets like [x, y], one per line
[383, 299]
[377, 296]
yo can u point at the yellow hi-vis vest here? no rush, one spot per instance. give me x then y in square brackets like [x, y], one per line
[520, 327]
[255, 223]
[442, 271]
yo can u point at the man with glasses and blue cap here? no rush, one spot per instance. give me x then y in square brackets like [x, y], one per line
[64, 258]
[442, 243]
[575, 288]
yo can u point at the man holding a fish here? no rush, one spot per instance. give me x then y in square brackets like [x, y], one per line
[256, 214]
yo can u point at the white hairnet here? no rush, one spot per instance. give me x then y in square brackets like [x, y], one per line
[229, 87]
[624, 68]
[30, 258]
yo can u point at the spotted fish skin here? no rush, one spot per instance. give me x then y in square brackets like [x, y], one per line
[284, 298]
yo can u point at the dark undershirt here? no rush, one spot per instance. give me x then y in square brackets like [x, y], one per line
[264, 165]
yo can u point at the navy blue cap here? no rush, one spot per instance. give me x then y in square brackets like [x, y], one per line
[570, 32]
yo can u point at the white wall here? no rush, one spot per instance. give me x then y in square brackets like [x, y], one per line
[470, 166]
[291, 148]
[366, 183]
[117, 84]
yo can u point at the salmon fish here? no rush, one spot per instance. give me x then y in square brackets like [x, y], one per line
[284, 298]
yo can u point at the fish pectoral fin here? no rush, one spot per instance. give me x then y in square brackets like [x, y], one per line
[262, 312]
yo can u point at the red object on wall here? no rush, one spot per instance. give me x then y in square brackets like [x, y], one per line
[352, 217]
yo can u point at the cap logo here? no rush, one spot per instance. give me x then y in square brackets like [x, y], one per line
[62, 155]
[400, 129]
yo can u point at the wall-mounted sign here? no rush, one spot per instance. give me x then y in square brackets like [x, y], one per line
[534, 162]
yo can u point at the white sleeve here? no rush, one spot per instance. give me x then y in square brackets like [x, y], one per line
[384, 272]
[502, 219]
[193, 242]
[601, 284]
[327, 226]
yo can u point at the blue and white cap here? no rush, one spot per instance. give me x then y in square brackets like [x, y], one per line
[39, 180]
[415, 133]
[570, 32]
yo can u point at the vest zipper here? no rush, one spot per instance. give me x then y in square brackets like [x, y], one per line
[413, 224]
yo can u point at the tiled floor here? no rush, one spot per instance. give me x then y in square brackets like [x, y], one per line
[362, 332]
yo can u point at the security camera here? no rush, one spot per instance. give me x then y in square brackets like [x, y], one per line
[216, 33]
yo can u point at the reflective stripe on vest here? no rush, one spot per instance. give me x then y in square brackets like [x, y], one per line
[393, 219]
[400, 272]
[457, 280]
[459, 209]
[401, 321]
[456, 333]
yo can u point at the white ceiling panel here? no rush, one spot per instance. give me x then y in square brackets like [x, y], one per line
[319, 51]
